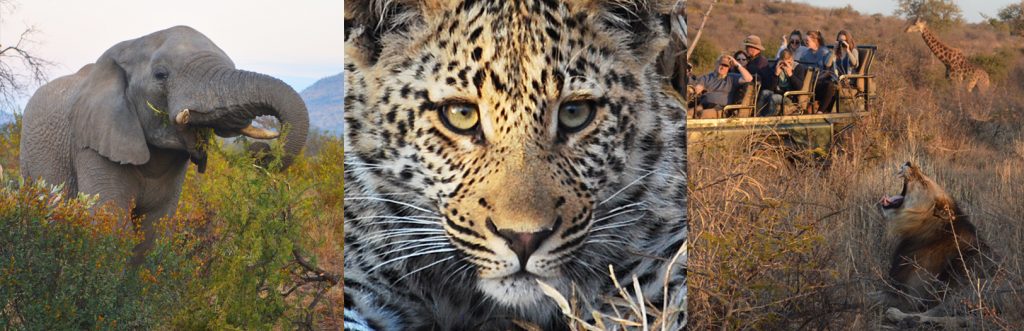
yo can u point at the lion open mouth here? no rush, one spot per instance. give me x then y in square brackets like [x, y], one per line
[896, 201]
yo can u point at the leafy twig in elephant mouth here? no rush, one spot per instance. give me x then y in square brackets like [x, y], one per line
[203, 135]
[164, 117]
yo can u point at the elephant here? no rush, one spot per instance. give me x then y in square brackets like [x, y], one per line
[126, 127]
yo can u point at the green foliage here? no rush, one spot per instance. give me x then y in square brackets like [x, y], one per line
[10, 137]
[256, 218]
[1013, 17]
[62, 268]
[940, 14]
[226, 261]
[704, 56]
[997, 64]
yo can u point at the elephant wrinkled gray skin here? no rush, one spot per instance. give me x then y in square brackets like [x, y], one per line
[127, 126]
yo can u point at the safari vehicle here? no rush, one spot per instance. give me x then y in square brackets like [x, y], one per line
[797, 126]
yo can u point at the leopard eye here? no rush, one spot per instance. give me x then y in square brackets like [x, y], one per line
[573, 116]
[462, 118]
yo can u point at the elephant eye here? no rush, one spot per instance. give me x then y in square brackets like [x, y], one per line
[161, 75]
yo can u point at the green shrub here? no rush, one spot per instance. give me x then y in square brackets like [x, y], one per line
[228, 261]
[995, 64]
[253, 226]
[704, 56]
[62, 268]
[10, 137]
[940, 14]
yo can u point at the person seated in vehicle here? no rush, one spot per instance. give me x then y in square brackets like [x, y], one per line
[795, 44]
[788, 76]
[757, 65]
[718, 85]
[741, 58]
[818, 56]
[846, 55]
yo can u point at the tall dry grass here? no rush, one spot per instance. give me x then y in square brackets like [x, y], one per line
[786, 242]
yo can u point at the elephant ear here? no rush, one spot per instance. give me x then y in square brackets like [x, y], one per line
[101, 118]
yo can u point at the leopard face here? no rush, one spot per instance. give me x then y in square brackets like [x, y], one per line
[517, 128]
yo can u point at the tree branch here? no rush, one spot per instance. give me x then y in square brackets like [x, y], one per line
[700, 30]
[319, 275]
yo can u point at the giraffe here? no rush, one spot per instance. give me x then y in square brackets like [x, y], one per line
[957, 67]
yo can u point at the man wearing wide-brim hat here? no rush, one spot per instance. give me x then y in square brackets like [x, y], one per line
[758, 66]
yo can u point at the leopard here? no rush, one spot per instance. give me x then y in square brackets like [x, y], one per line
[496, 151]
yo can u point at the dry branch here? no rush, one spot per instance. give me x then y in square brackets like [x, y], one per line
[700, 30]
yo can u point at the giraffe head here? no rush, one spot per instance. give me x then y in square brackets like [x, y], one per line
[918, 26]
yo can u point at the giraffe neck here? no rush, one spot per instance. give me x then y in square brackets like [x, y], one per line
[943, 52]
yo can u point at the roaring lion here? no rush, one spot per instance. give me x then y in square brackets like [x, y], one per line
[938, 251]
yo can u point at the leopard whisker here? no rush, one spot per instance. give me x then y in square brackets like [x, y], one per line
[354, 170]
[627, 211]
[415, 217]
[588, 265]
[383, 194]
[456, 271]
[616, 225]
[411, 255]
[424, 268]
[623, 189]
[405, 232]
[417, 240]
[424, 220]
[392, 201]
[608, 241]
[416, 246]
[631, 205]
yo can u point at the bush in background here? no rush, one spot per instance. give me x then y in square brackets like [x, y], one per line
[940, 14]
[62, 268]
[251, 247]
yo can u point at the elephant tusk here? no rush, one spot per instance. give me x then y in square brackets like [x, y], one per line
[182, 117]
[258, 133]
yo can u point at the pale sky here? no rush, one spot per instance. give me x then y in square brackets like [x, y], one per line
[298, 41]
[971, 9]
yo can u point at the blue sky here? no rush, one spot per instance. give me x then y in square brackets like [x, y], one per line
[972, 10]
[297, 41]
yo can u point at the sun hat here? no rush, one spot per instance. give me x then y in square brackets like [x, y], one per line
[753, 41]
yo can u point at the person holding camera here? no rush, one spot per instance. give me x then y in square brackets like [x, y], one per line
[788, 76]
[846, 56]
[718, 85]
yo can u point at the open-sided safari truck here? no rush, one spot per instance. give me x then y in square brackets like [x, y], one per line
[797, 125]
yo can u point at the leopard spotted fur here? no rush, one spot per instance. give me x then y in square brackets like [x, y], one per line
[450, 229]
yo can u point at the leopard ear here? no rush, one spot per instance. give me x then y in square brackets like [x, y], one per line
[370, 23]
[643, 23]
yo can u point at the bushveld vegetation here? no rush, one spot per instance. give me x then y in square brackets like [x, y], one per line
[783, 238]
[251, 247]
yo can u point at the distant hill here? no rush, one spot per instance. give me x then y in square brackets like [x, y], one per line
[324, 99]
[731, 21]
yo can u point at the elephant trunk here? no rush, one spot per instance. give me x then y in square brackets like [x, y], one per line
[285, 104]
[239, 97]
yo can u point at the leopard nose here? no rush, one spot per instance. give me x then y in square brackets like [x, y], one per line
[522, 243]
